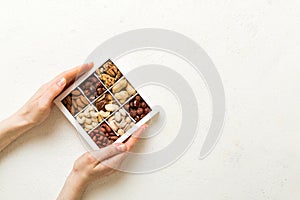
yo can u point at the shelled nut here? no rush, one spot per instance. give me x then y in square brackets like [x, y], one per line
[137, 108]
[123, 90]
[75, 102]
[92, 87]
[105, 105]
[103, 135]
[88, 119]
[120, 122]
[108, 73]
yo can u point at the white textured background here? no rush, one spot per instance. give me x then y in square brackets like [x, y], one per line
[255, 46]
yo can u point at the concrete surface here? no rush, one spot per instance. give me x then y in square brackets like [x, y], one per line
[255, 46]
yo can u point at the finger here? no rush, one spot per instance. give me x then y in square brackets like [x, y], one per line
[109, 151]
[135, 136]
[71, 74]
[56, 86]
[113, 163]
[76, 72]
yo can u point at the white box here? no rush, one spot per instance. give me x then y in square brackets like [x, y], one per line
[88, 97]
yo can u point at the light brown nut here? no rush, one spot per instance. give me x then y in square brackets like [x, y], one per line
[119, 86]
[130, 90]
[75, 92]
[80, 103]
[84, 100]
[111, 107]
[122, 95]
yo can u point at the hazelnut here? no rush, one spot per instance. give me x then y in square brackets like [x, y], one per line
[140, 111]
[143, 105]
[146, 110]
[132, 113]
[138, 97]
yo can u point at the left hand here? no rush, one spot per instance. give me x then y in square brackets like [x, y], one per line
[38, 108]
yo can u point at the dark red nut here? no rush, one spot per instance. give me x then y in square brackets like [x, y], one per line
[110, 142]
[87, 84]
[132, 113]
[102, 129]
[94, 79]
[101, 138]
[143, 105]
[146, 110]
[114, 137]
[87, 92]
[137, 97]
[98, 85]
[140, 111]
[108, 129]
[91, 88]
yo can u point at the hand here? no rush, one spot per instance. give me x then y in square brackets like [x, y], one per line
[96, 164]
[38, 108]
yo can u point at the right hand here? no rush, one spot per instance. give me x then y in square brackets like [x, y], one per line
[96, 164]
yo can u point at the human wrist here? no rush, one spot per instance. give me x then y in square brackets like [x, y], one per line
[78, 180]
[73, 188]
[20, 123]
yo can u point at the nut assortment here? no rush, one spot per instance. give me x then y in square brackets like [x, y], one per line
[108, 73]
[105, 105]
[75, 102]
[137, 108]
[123, 90]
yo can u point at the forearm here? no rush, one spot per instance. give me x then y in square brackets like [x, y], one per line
[11, 128]
[73, 188]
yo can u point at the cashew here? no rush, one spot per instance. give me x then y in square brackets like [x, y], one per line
[88, 121]
[81, 120]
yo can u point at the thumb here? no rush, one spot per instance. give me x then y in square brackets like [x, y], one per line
[54, 89]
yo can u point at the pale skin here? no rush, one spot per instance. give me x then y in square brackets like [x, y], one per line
[88, 167]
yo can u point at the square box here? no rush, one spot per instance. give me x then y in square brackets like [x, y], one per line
[103, 106]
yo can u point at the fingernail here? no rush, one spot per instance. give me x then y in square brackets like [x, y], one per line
[121, 146]
[61, 82]
[91, 64]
